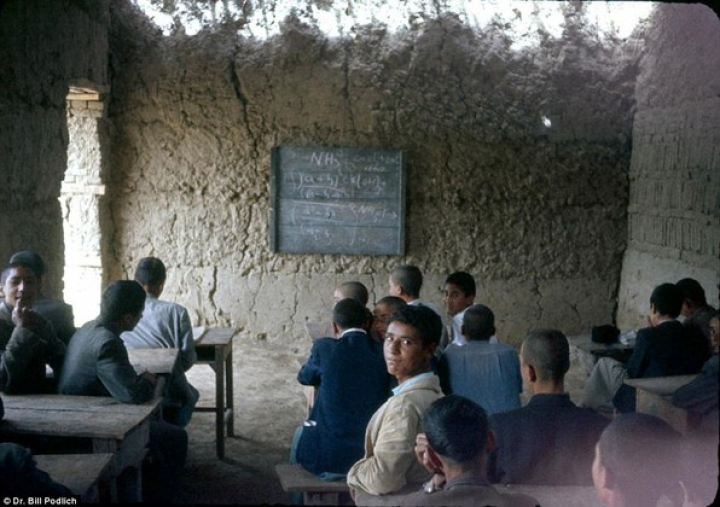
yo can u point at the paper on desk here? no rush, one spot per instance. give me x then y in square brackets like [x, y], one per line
[198, 332]
[628, 338]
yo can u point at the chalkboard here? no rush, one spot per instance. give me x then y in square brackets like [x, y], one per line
[337, 200]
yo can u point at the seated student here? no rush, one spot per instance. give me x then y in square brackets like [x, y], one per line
[384, 309]
[549, 440]
[405, 282]
[454, 448]
[389, 462]
[353, 383]
[666, 348]
[487, 373]
[695, 311]
[636, 461]
[353, 290]
[165, 325]
[19, 475]
[458, 295]
[97, 364]
[660, 350]
[27, 340]
[700, 396]
[58, 312]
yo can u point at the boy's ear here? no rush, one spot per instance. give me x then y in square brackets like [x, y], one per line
[605, 485]
[531, 373]
[434, 459]
[491, 441]
[336, 329]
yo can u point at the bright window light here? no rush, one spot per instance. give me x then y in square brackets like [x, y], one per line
[526, 22]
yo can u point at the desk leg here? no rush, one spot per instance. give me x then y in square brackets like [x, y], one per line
[229, 412]
[219, 402]
[129, 485]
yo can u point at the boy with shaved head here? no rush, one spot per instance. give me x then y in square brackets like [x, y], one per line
[549, 440]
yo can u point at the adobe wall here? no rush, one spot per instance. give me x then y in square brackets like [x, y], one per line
[674, 207]
[44, 46]
[538, 215]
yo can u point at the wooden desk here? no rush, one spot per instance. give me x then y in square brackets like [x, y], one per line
[83, 474]
[214, 347]
[584, 353]
[654, 397]
[153, 360]
[104, 424]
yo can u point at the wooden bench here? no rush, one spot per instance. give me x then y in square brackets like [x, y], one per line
[84, 474]
[295, 479]
[654, 397]
[555, 496]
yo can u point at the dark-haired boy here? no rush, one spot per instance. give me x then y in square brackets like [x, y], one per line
[405, 282]
[696, 312]
[97, 364]
[458, 295]
[389, 462]
[58, 312]
[165, 324]
[27, 340]
[352, 383]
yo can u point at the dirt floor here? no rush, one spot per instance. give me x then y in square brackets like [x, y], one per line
[269, 405]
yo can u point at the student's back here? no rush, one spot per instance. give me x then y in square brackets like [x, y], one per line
[548, 441]
[664, 350]
[97, 364]
[487, 373]
[353, 383]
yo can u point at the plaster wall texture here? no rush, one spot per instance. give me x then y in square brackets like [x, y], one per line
[674, 199]
[536, 214]
[44, 46]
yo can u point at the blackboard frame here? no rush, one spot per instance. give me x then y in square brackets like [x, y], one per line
[363, 194]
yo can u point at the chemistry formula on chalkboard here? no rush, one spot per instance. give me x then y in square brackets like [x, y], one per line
[337, 200]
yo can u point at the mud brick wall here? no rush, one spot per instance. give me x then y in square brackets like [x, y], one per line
[674, 205]
[44, 46]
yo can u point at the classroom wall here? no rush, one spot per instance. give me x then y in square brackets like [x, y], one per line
[537, 214]
[44, 45]
[674, 200]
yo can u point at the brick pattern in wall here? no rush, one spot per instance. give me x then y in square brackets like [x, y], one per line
[675, 181]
